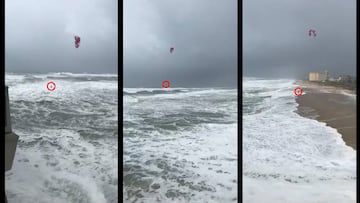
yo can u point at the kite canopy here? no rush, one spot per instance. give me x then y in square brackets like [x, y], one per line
[312, 32]
[77, 41]
[171, 49]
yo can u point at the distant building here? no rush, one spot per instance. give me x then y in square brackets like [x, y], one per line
[327, 75]
[316, 76]
[313, 76]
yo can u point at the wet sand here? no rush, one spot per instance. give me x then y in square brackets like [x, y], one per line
[332, 106]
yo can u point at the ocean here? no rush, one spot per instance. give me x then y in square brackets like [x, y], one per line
[289, 158]
[68, 138]
[180, 145]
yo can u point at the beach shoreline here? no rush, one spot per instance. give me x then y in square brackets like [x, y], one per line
[334, 106]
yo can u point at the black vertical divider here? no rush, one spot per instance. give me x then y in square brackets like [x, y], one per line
[120, 100]
[240, 78]
[2, 99]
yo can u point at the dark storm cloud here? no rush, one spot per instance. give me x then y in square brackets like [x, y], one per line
[39, 36]
[276, 41]
[203, 33]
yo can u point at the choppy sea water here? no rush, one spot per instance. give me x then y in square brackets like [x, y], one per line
[180, 145]
[68, 138]
[289, 158]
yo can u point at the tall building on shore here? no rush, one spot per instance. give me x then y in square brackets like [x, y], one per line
[316, 76]
[313, 76]
[327, 75]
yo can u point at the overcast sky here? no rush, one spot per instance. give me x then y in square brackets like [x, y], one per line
[203, 33]
[39, 36]
[276, 41]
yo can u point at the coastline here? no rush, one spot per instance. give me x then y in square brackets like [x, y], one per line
[333, 105]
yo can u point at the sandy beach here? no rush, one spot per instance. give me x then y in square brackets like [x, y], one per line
[332, 105]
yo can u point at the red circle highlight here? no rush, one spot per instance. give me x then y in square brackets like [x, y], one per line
[298, 91]
[51, 86]
[165, 84]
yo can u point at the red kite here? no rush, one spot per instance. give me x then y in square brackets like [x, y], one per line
[77, 41]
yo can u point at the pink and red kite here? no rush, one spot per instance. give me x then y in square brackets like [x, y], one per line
[77, 41]
[312, 32]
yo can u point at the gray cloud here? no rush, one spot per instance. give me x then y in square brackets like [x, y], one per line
[39, 36]
[203, 33]
[276, 41]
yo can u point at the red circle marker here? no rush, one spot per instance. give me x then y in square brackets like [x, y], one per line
[51, 86]
[298, 91]
[165, 84]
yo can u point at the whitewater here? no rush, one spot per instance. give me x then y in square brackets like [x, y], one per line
[289, 158]
[68, 138]
[180, 145]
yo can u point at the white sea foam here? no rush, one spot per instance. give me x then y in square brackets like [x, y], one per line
[53, 161]
[350, 95]
[288, 158]
[201, 160]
